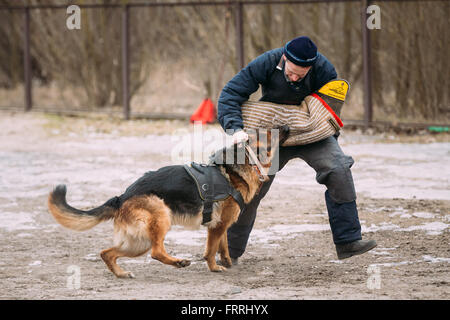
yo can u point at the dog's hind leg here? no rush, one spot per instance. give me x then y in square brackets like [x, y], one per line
[131, 240]
[159, 253]
[158, 225]
[158, 230]
[110, 256]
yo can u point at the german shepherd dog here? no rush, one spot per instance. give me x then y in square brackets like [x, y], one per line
[145, 212]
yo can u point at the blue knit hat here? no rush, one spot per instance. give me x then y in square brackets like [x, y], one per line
[301, 51]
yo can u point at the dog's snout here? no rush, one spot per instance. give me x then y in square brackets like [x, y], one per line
[284, 133]
[283, 130]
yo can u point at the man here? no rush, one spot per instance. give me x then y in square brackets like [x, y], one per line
[287, 75]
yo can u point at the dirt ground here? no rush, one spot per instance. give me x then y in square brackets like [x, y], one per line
[403, 185]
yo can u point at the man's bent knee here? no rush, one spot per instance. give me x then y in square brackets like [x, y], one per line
[337, 176]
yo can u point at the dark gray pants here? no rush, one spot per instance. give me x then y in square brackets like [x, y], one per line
[332, 168]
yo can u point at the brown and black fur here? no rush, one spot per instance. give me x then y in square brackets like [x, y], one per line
[150, 206]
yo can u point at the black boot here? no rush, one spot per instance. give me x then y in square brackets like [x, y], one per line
[354, 248]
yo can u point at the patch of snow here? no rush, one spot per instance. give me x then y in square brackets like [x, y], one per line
[35, 263]
[424, 215]
[178, 235]
[430, 259]
[432, 228]
[392, 264]
[12, 221]
[382, 227]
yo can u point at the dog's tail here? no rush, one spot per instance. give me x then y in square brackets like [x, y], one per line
[76, 219]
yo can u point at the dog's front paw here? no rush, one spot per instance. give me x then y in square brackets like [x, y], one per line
[226, 262]
[218, 269]
[183, 263]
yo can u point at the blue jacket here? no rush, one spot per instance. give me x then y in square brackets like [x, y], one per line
[267, 70]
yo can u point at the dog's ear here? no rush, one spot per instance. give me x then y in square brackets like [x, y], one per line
[229, 155]
[218, 157]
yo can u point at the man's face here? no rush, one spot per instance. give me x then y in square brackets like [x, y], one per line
[294, 72]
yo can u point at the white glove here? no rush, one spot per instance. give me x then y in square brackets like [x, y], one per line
[240, 137]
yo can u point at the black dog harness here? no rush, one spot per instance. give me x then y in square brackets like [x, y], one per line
[212, 186]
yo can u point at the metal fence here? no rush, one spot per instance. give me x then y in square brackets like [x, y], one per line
[240, 33]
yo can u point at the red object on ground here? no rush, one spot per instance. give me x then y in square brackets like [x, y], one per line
[206, 112]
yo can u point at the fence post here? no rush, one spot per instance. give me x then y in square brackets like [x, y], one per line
[125, 62]
[239, 22]
[367, 66]
[26, 60]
